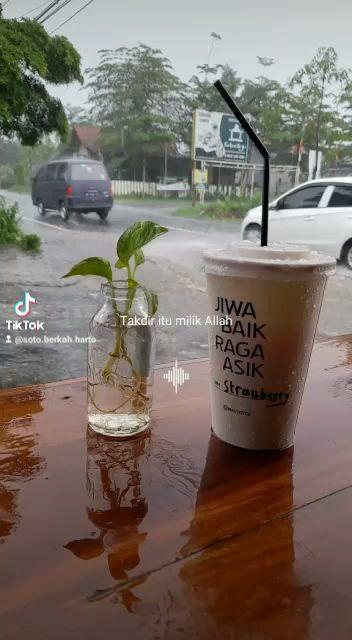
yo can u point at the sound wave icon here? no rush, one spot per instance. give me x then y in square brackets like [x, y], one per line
[177, 376]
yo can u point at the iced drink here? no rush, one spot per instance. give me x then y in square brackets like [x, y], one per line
[267, 302]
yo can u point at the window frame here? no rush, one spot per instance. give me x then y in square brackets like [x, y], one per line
[305, 188]
[48, 167]
[64, 174]
[87, 178]
[337, 186]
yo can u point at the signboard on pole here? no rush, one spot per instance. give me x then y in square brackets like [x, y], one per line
[218, 136]
[200, 177]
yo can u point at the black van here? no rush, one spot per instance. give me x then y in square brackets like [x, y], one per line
[72, 184]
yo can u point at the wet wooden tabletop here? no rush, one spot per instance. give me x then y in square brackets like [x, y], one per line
[175, 534]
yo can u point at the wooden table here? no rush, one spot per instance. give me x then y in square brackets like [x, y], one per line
[176, 535]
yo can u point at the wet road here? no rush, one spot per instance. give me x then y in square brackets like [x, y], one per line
[172, 269]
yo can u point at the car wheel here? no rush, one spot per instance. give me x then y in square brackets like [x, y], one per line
[64, 212]
[103, 214]
[41, 208]
[347, 255]
[252, 233]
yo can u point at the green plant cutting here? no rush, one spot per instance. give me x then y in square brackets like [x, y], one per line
[130, 256]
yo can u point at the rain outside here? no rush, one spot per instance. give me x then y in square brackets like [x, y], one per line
[169, 157]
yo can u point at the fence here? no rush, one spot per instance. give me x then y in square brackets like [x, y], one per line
[223, 190]
[282, 179]
[129, 187]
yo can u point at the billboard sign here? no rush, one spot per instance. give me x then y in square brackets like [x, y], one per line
[219, 136]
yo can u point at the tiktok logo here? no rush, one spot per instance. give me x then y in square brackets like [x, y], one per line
[22, 307]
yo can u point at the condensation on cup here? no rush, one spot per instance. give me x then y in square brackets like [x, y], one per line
[267, 302]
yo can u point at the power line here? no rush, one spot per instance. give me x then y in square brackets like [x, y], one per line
[39, 6]
[71, 17]
[55, 10]
[50, 6]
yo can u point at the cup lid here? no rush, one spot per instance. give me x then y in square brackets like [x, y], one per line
[274, 257]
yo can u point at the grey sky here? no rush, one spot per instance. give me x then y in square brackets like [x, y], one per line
[289, 32]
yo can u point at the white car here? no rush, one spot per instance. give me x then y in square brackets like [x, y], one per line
[317, 213]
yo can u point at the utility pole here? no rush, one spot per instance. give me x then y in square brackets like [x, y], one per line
[299, 159]
[194, 164]
[317, 129]
[123, 129]
[165, 164]
[123, 137]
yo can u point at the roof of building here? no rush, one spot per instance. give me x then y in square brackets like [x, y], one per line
[87, 135]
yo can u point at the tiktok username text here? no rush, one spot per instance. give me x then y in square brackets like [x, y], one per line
[34, 332]
[52, 340]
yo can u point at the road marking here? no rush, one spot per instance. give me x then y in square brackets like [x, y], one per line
[54, 226]
[46, 224]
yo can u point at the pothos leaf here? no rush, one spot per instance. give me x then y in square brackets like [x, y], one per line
[152, 300]
[137, 236]
[91, 267]
[154, 303]
[120, 264]
[132, 288]
[139, 257]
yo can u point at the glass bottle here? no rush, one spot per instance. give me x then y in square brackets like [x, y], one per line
[121, 353]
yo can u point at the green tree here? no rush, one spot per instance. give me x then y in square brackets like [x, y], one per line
[264, 101]
[8, 152]
[20, 175]
[319, 89]
[31, 158]
[265, 63]
[203, 95]
[135, 97]
[258, 97]
[30, 59]
[7, 176]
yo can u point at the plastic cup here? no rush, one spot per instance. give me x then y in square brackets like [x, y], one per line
[264, 305]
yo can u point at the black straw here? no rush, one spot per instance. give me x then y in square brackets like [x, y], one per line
[263, 152]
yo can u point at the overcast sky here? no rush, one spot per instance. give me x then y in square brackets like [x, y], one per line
[289, 32]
